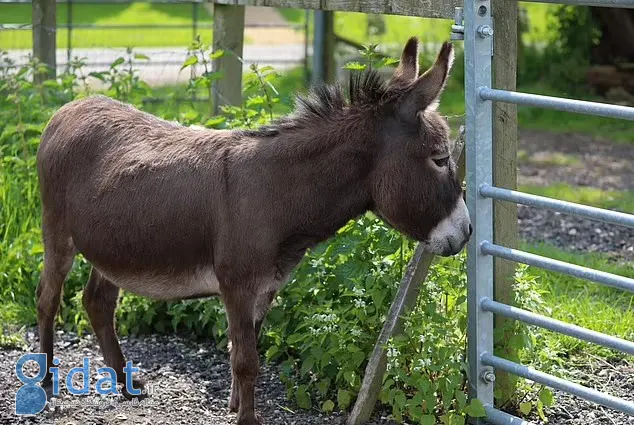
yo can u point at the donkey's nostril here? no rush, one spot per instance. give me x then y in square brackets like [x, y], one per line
[470, 230]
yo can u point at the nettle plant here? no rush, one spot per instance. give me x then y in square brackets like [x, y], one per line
[122, 78]
[258, 89]
[324, 324]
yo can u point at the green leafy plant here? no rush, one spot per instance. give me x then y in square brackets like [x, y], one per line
[123, 80]
[322, 326]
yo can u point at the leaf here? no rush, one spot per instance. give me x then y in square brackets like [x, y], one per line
[475, 409]
[191, 60]
[217, 54]
[141, 56]
[540, 411]
[307, 365]
[428, 420]
[302, 397]
[546, 397]
[117, 62]
[400, 399]
[272, 351]
[461, 398]
[323, 385]
[343, 399]
[354, 66]
[328, 406]
[215, 121]
[387, 62]
[526, 407]
[98, 75]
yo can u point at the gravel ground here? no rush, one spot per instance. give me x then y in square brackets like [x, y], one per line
[188, 381]
[591, 163]
[189, 384]
[616, 379]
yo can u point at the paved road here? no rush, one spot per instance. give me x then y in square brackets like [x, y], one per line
[164, 65]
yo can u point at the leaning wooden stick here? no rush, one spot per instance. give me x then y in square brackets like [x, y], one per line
[405, 299]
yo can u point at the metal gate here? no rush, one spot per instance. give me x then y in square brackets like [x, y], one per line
[479, 44]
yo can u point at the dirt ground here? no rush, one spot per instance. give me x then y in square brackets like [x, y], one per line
[579, 161]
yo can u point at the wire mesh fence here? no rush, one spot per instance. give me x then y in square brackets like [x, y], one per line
[101, 31]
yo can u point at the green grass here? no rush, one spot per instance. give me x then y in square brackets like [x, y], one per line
[615, 200]
[548, 158]
[452, 103]
[585, 303]
[351, 25]
[109, 14]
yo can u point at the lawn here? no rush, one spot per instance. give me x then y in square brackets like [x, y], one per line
[110, 14]
[583, 303]
[359, 27]
[613, 200]
[350, 25]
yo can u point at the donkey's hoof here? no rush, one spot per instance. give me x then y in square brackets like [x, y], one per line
[250, 420]
[234, 401]
[138, 387]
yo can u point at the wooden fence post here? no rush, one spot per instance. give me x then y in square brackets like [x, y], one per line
[44, 32]
[228, 35]
[505, 136]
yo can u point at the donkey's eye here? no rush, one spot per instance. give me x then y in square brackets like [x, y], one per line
[441, 162]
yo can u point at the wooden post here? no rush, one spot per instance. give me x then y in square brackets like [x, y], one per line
[505, 135]
[404, 301]
[323, 47]
[44, 36]
[228, 35]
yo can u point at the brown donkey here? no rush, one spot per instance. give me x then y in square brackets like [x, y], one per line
[172, 212]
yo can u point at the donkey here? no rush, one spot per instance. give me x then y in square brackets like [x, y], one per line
[171, 212]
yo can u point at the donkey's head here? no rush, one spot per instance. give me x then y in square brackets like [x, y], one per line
[415, 187]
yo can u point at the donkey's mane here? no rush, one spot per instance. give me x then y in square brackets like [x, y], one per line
[365, 91]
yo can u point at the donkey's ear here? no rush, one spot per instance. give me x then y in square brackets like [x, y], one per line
[426, 90]
[407, 69]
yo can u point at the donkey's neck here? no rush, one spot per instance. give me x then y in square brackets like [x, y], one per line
[324, 172]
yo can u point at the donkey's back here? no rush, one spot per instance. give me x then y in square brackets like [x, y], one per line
[136, 195]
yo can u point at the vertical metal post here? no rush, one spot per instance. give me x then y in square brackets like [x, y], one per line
[306, 40]
[69, 33]
[319, 37]
[323, 46]
[478, 36]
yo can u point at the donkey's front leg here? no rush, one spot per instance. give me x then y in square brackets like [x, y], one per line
[244, 354]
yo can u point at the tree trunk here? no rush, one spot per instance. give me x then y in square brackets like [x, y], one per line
[617, 35]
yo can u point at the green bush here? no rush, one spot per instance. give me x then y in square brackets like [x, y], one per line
[324, 323]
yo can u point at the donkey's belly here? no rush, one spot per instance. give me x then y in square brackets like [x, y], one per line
[198, 283]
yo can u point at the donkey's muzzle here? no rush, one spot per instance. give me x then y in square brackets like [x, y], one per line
[452, 233]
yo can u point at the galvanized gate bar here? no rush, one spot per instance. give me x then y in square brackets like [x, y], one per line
[600, 214]
[479, 150]
[558, 326]
[497, 417]
[478, 36]
[604, 278]
[560, 104]
[560, 384]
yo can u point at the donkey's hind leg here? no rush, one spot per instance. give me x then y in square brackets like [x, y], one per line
[59, 252]
[261, 308]
[100, 301]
